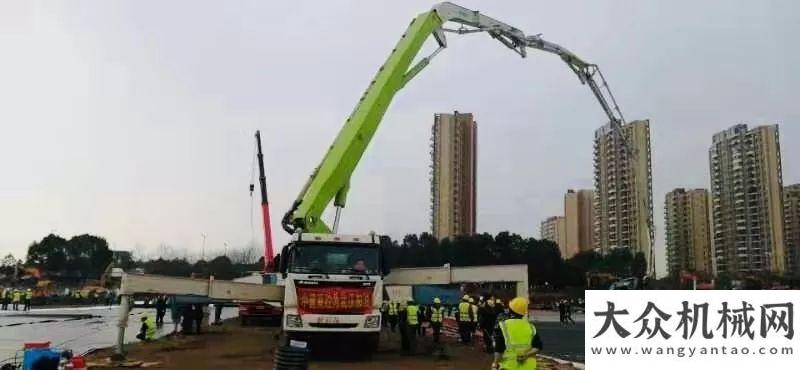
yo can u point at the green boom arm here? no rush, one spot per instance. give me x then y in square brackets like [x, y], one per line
[331, 179]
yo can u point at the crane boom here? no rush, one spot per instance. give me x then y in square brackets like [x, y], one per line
[331, 179]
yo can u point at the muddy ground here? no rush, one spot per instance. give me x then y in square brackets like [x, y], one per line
[231, 346]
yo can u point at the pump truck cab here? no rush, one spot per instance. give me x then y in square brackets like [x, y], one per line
[333, 287]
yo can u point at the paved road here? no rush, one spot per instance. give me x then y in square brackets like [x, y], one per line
[563, 342]
[566, 343]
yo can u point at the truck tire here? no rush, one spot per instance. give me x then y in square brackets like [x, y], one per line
[370, 344]
[289, 358]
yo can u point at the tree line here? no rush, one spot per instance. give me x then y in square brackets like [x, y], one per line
[546, 266]
[87, 257]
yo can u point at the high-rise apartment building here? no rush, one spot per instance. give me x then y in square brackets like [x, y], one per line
[554, 230]
[623, 199]
[688, 231]
[791, 212]
[578, 222]
[747, 201]
[454, 157]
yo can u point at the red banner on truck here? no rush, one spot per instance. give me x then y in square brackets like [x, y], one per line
[334, 299]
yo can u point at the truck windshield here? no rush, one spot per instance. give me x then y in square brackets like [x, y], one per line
[335, 259]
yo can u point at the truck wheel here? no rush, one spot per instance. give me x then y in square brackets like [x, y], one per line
[371, 342]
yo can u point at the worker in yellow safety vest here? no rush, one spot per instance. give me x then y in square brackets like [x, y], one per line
[465, 319]
[474, 308]
[516, 342]
[148, 330]
[437, 315]
[392, 313]
[412, 324]
[15, 299]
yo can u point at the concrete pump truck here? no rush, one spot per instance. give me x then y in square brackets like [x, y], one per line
[333, 283]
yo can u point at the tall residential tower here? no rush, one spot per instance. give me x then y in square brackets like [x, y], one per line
[454, 157]
[623, 200]
[578, 220]
[747, 201]
[791, 211]
[688, 231]
[554, 230]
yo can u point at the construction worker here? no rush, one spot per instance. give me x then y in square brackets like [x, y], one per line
[402, 321]
[437, 315]
[384, 313]
[502, 310]
[474, 308]
[148, 330]
[568, 313]
[28, 298]
[16, 298]
[515, 339]
[392, 313]
[161, 310]
[4, 298]
[423, 320]
[487, 318]
[412, 324]
[465, 320]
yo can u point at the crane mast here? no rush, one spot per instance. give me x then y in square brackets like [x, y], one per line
[331, 179]
[262, 182]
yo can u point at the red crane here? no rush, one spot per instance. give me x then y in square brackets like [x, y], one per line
[262, 179]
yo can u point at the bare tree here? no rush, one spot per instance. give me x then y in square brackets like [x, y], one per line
[140, 253]
[166, 252]
[244, 255]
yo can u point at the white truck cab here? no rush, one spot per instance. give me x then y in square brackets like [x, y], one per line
[333, 287]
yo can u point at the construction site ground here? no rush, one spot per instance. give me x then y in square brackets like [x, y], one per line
[231, 346]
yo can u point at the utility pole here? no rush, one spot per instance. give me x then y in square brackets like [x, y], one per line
[203, 253]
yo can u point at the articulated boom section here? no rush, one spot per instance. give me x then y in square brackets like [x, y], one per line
[330, 180]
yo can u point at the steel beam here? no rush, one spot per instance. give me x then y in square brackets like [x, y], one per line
[215, 289]
[450, 275]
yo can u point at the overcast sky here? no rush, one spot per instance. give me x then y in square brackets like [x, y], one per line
[134, 120]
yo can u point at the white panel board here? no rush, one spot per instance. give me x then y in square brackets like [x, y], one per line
[246, 291]
[418, 276]
[399, 293]
[479, 274]
[448, 275]
[219, 289]
[135, 283]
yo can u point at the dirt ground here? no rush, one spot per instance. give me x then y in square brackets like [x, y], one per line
[231, 346]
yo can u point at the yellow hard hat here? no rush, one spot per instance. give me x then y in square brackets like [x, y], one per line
[437, 300]
[465, 298]
[519, 305]
[499, 301]
[471, 300]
